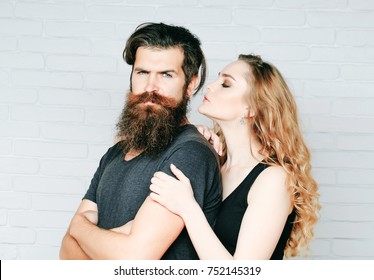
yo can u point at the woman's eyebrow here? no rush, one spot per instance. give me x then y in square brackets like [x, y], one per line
[226, 75]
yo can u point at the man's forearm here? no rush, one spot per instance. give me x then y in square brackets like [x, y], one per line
[96, 242]
[70, 249]
[154, 229]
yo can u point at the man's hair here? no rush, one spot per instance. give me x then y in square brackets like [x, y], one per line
[163, 36]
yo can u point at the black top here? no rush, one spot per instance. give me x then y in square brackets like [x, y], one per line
[232, 210]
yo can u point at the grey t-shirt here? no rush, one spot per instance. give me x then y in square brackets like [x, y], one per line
[120, 187]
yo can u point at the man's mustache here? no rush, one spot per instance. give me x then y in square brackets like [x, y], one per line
[154, 97]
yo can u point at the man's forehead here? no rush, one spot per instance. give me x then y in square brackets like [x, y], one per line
[159, 56]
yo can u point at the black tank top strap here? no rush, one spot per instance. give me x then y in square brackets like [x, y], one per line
[240, 193]
[253, 174]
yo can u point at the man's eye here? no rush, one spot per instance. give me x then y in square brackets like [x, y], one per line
[167, 75]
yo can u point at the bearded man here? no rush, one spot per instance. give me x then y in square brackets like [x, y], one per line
[155, 133]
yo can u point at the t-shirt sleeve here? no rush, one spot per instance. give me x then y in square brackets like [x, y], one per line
[91, 192]
[201, 166]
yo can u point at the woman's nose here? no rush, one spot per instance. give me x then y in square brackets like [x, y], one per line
[209, 87]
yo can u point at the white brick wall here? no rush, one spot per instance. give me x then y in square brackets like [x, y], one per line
[63, 82]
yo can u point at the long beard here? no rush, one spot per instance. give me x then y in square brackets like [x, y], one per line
[150, 127]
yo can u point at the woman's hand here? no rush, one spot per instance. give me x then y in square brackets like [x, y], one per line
[211, 137]
[174, 194]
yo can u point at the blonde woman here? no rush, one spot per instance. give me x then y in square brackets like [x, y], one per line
[270, 199]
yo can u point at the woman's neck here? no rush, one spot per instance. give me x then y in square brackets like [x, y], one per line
[241, 145]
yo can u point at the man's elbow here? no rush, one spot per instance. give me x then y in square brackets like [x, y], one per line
[63, 250]
[63, 255]
[70, 249]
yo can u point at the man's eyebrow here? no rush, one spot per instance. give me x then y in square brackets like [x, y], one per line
[169, 71]
[140, 69]
[226, 75]
[162, 71]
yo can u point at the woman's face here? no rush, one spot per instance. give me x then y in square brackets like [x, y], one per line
[226, 98]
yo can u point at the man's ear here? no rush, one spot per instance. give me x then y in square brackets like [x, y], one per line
[192, 85]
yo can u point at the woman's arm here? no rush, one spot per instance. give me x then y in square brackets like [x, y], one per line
[269, 204]
[177, 196]
[260, 229]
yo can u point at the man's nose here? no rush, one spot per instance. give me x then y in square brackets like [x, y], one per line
[152, 84]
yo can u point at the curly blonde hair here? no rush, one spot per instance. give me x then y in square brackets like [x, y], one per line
[275, 123]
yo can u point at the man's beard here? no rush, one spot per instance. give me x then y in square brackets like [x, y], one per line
[150, 128]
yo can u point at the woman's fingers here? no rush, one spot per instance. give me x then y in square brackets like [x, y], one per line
[155, 188]
[212, 137]
[179, 174]
[216, 142]
[156, 197]
[205, 131]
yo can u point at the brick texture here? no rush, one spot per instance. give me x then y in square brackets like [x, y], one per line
[63, 83]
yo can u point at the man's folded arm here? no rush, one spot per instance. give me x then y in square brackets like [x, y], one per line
[153, 230]
[70, 249]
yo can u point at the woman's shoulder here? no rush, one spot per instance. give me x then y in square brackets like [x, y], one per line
[274, 172]
[272, 180]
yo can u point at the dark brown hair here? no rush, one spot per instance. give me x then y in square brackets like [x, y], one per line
[163, 36]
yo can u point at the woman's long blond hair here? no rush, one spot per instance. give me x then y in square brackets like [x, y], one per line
[275, 122]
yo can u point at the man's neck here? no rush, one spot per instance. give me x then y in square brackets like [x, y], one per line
[185, 121]
[132, 154]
